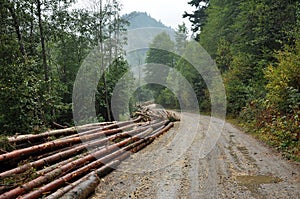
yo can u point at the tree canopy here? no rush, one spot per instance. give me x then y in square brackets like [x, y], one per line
[255, 45]
[43, 44]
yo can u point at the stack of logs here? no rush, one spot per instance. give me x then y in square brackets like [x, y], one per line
[69, 163]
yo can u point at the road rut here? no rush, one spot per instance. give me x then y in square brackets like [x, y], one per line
[237, 166]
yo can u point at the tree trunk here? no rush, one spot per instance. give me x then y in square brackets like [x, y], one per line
[25, 152]
[42, 40]
[17, 29]
[100, 39]
[107, 100]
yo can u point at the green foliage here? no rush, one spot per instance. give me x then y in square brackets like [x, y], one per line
[4, 144]
[218, 28]
[223, 55]
[275, 119]
[142, 94]
[43, 44]
[197, 17]
[167, 99]
[262, 86]
[160, 49]
[243, 38]
[276, 129]
[159, 59]
[284, 80]
[16, 180]
[116, 72]
[237, 82]
[26, 103]
[176, 73]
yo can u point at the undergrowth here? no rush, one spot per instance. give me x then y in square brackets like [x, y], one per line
[280, 131]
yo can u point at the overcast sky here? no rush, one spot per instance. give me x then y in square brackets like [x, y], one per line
[169, 12]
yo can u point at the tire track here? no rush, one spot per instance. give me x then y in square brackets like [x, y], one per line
[217, 175]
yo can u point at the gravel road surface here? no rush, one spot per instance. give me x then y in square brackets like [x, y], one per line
[203, 157]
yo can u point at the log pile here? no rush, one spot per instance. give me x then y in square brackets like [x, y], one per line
[68, 163]
[150, 112]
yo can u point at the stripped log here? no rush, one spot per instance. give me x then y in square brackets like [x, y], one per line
[120, 154]
[77, 163]
[106, 129]
[31, 138]
[151, 112]
[62, 191]
[152, 137]
[73, 151]
[103, 170]
[84, 188]
[165, 129]
[58, 144]
[69, 131]
[65, 168]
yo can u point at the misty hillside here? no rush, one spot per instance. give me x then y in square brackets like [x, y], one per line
[142, 20]
[138, 37]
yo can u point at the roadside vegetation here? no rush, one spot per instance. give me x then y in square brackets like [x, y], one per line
[256, 46]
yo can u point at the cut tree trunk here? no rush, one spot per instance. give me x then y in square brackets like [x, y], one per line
[103, 170]
[67, 153]
[21, 153]
[77, 163]
[120, 154]
[64, 168]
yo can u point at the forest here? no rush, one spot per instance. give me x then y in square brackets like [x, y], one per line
[255, 44]
[43, 45]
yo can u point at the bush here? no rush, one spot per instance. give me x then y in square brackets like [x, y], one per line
[275, 119]
[26, 104]
[284, 80]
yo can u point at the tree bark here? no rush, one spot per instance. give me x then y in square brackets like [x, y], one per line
[25, 152]
[16, 25]
[42, 40]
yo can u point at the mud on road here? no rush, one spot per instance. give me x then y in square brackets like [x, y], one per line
[176, 166]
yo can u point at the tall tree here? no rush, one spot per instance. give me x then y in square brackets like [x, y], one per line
[220, 17]
[160, 53]
[32, 106]
[159, 59]
[255, 44]
[108, 27]
[16, 23]
[197, 17]
[42, 40]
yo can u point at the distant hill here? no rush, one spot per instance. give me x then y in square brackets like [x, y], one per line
[139, 37]
[142, 20]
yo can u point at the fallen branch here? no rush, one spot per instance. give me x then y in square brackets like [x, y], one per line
[59, 125]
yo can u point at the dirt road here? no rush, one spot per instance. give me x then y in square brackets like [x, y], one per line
[203, 164]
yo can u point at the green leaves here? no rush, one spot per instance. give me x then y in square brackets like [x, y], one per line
[284, 80]
[256, 46]
[43, 44]
[199, 16]
[25, 101]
